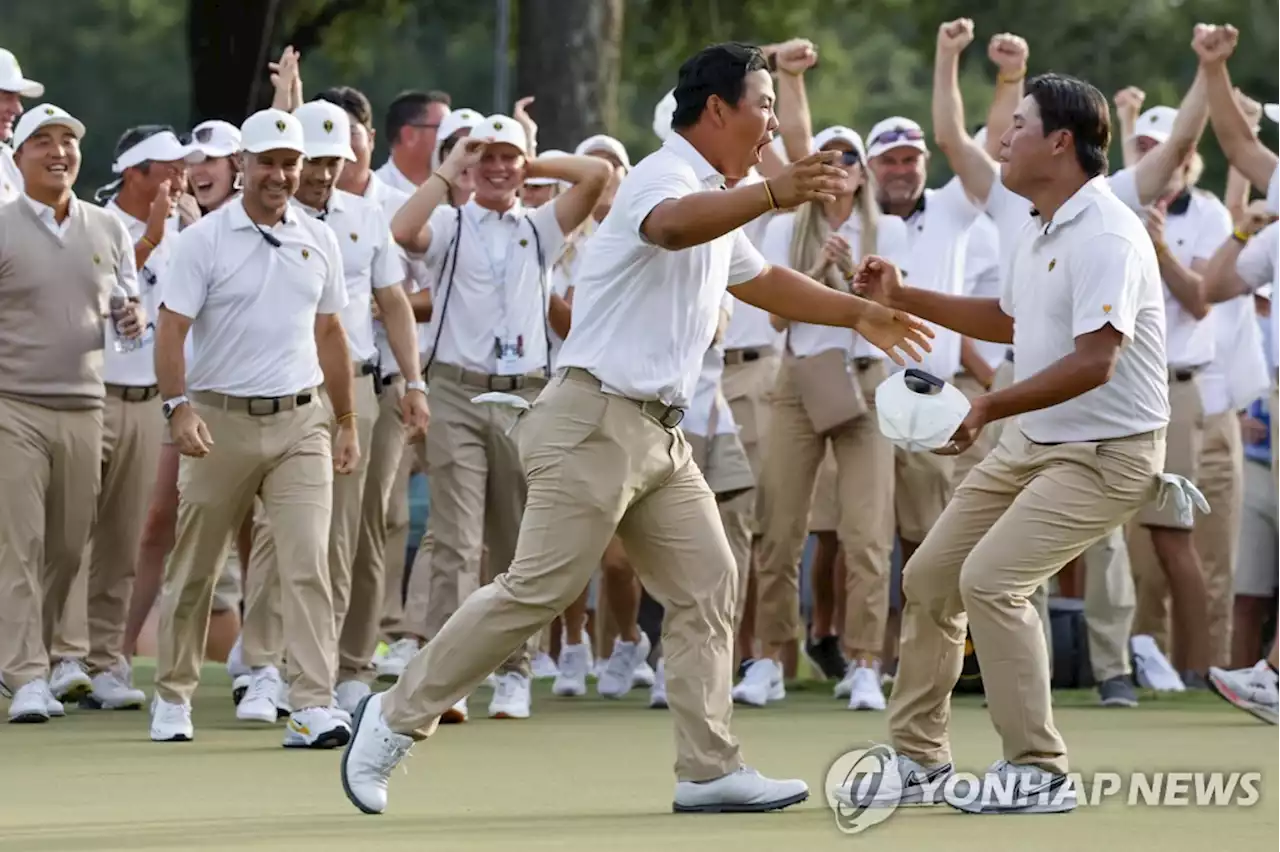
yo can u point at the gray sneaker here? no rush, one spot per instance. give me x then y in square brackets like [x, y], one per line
[1195, 681]
[1117, 691]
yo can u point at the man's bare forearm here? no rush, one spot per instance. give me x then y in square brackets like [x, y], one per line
[798, 298]
[1185, 284]
[335, 363]
[980, 319]
[559, 316]
[794, 122]
[701, 217]
[409, 225]
[1064, 380]
[171, 357]
[966, 158]
[1243, 149]
[1000, 117]
[974, 364]
[397, 319]
[1152, 174]
[1221, 282]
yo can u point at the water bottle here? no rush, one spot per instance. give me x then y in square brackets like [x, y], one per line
[119, 298]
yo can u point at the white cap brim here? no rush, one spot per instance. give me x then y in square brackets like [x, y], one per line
[21, 134]
[919, 422]
[1273, 112]
[22, 86]
[161, 147]
[274, 145]
[876, 150]
[334, 149]
[213, 151]
[1157, 136]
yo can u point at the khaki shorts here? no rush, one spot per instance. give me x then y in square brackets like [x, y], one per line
[824, 516]
[1185, 441]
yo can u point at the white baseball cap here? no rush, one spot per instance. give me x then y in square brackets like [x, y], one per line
[662, 115]
[459, 119]
[162, 147]
[11, 79]
[503, 130]
[271, 130]
[600, 143]
[326, 130]
[918, 411]
[839, 133]
[1273, 112]
[1156, 123]
[895, 132]
[44, 115]
[547, 181]
[216, 138]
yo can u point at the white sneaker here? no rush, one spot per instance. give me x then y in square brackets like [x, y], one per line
[743, 791]
[544, 668]
[239, 687]
[112, 691]
[761, 684]
[259, 703]
[171, 723]
[658, 692]
[235, 661]
[1012, 788]
[455, 715]
[70, 681]
[30, 703]
[56, 710]
[374, 751]
[399, 653]
[283, 707]
[349, 694]
[644, 675]
[911, 784]
[1152, 667]
[511, 699]
[865, 692]
[575, 661]
[619, 673]
[315, 727]
[1252, 690]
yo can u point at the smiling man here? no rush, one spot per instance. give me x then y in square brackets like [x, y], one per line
[13, 88]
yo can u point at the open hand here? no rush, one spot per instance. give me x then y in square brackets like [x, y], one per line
[521, 115]
[467, 153]
[815, 178]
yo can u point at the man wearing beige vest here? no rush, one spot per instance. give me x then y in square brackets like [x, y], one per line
[65, 268]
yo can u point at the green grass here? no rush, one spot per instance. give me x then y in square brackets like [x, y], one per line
[588, 774]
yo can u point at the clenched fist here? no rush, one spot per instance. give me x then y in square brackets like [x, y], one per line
[955, 36]
[1009, 52]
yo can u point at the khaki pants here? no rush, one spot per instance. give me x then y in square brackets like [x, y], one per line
[286, 458]
[92, 627]
[1023, 512]
[262, 636]
[396, 548]
[1186, 446]
[1217, 537]
[748, 386]
[864, 486]
[725, 468]
[50, 475]
[597, 463]
[987, 439]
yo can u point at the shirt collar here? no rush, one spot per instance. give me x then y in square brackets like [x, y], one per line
[702, 170]
[44, 211]
[240, 220]
[484, 214]
[1075, 205]
[129, 219]
[335, 205]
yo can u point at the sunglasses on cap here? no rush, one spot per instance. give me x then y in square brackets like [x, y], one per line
[850, 158]
[899, 134]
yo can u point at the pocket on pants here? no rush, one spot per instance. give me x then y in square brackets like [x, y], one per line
[1130, 467]
[558, 424]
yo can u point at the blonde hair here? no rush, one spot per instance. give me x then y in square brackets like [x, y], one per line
[812, 230]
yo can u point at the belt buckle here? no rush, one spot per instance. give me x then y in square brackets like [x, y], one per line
[268, 406]
[749, 355]
[506, 383]
[671, 417]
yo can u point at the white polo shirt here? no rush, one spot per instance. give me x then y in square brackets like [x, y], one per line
[1092, 265]
[1238, 373]
[394, 178]
[563, 271]
[370, 261]
[982, 278]
[805, 340]
[138, 368]
[11, 182]
[500, 290]
[706, 393]
[1256, 266]
[937, 239]
[254, 305]
[750, 327]
[391, 200]
[643, 316]
[1273, 193]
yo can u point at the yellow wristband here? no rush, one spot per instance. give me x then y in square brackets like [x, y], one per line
[773, 205]
[1016, 79]
[146, 240]
[1240, 236]
[350, 415]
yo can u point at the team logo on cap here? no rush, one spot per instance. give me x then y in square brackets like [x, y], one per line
[497, 125]
[280, 125]
[1153, 119]
[306, 254]
[1052, 264]
[48, 110]
[328, 125]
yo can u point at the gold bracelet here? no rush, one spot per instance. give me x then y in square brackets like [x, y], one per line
[773, 205]
[444, 179]
[350, 415]
[146, 240]
[1003, 79]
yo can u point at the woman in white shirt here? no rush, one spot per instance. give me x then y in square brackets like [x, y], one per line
[824, 398]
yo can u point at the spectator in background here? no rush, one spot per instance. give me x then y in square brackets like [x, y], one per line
[13, 88]
[412, 125]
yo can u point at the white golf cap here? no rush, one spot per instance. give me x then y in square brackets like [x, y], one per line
[662, 115]
[547, 181]
[895, 132]
[459, 119]
[602, 144]
[1273, 112]
[503, 130]
[918, 411]
[326, 130]
[44, 115]
[271, 130]
[843, 134]
[216, 138]
[11, 79]
[1156, 123]
[162, 147]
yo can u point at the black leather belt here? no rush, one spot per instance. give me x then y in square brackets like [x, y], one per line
[865, 363]
[389, 379]
[669, 416]
[473, 378]
[746, 356]
[258, 406]
[133, 393]
[1184, 374]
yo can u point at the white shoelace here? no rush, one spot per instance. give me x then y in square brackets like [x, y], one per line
[265, 685]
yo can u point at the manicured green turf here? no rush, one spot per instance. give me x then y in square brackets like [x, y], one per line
[588, 774]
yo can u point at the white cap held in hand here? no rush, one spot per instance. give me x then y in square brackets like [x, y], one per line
[918, 411]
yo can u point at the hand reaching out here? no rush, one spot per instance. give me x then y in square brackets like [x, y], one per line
[521, 114]
[1128, 103]
[287, 80]
[815, 178]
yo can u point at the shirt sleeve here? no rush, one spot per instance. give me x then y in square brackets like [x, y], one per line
[982, 260]
[747, 262]
[1124, 184]
[126, 265]
[390, 264]
[333, 296]
[656, 186]
[186, 281]
[1008, 210]
[775, 245]
[1212, 230]
[544, 219]
[1273, 193]
[1256, 264]
[954, 204]
[444, 227]
[1106, 285]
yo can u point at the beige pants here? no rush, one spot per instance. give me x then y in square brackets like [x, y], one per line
[50, 474]
[396, 548]
[748, 386]
[724, 464]
[987, 439]
[922, 489]
[1023, 512]
[262, 635]
[1217, 536]
[597, 463]
[286, 458]
[1186, 447]
[92, 627]
[864, 487]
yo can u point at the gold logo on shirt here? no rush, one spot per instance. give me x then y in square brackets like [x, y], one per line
[1106, 309]
[97, 260]
[354, 237]
[524, 243]
[280, 125]
[306, 254]
[328, 125]
[1053, 263]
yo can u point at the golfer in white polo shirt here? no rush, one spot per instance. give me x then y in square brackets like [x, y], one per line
[259, 286]
[13, 88]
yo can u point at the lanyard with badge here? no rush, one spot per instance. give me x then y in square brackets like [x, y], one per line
[508, 347]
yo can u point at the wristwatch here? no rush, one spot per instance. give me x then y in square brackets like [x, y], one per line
[418, 386]
[171, 405]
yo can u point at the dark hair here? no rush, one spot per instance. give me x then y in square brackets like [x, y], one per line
[407, 108]
[1067, 103]
[718, 70]
[353, 101]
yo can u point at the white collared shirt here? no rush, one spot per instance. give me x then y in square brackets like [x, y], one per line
[1257, 266]
[254, 305]
[1092, 265]
[805, 340]
[49, 216]
[138, 368]
[371, 260]
[563, 271]
[937, 239]
[11, 182]
[419, 277]
[1273, 193]
[707, 396]
[501, 285]
[1238, 373]
[982, 278]
[1193, 235]
[643, 316]
[750, 327]
[394, 178]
